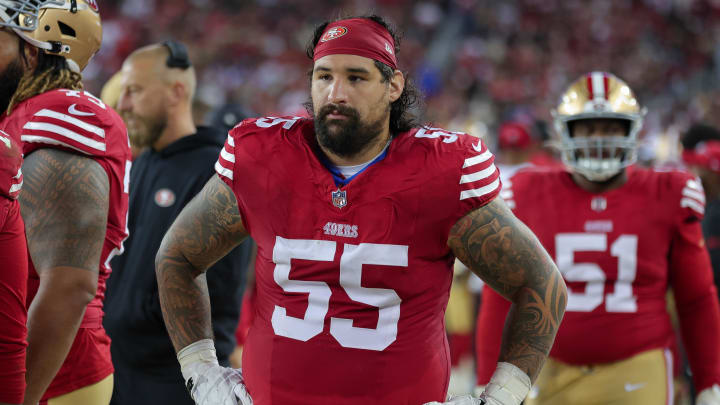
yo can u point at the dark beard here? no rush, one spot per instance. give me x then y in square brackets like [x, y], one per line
[9, 81]
[149, 130]
[350, 136]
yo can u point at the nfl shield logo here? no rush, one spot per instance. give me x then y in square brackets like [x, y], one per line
[598, 204]
[339, 198]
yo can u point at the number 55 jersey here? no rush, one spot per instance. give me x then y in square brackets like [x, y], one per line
[619, 252]
[352, 280]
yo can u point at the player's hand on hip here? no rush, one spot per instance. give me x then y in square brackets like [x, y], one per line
[459, 400]
[709, 396]
[208, 382]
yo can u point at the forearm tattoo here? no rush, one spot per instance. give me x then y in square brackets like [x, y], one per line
[205, 231]
[500, 249]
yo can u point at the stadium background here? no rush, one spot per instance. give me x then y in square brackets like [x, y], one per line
[478, 62]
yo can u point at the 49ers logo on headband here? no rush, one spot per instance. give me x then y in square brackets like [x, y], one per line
[334, 32]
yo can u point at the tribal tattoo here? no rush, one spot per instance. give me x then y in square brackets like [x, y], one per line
[502, 251]
[205, 231]
[64, 203]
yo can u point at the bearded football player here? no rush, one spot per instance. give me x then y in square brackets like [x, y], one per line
[74, 200]
[358, 215]
[621, 236]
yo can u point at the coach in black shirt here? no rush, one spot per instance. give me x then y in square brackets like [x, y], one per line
[158, 85]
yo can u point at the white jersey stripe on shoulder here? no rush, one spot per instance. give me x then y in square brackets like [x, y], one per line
[692, 204]
[222, 171]
[477, 159]
[482, 174]
[227, 156]
[72, 120]
[694, 184]
[687, 192]
[231, 141]
[19, 174]
[479, 192]
[53, 141]
[64, 132]
[16, 187]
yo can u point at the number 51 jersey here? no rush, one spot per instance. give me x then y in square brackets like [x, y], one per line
[352, 281]
[619, 252]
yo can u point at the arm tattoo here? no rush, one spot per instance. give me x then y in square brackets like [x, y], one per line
[64, 203]
[205, 231]
[500, 249]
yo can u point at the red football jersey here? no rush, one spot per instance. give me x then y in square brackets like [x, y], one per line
[10, 163]
[78, 122]
[619, 251]
[352, 281]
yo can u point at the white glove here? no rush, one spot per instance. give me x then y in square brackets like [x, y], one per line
[508, 386]
[709, 396]
[458, 400]
[207, 381]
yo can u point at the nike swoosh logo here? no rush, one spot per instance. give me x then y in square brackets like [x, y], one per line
[72, 110]
[6, 141]
[633, 387]
[478, 146]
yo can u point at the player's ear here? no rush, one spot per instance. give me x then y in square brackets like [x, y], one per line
[397, 85]
[178, 92]
[30, 56]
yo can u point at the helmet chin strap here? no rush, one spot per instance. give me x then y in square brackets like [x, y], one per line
[51, 47]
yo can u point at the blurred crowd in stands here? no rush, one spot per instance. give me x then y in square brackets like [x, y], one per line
[479, 62]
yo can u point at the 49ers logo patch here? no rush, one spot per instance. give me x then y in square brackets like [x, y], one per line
[333, 33]
[164, 197]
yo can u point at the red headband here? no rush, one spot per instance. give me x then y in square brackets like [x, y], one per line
[706, 154]
[357, 36]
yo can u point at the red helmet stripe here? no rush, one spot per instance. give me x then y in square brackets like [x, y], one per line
[590, 87]
[606, 83]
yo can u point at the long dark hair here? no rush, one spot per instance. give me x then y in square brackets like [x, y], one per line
[404, 110]
[52, 72]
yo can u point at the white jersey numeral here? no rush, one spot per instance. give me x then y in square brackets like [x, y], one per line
[90, 97]
[351, 262]
[267, 122]
[624, 248]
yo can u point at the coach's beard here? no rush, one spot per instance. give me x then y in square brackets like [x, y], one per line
[345, 137]
[143, 131]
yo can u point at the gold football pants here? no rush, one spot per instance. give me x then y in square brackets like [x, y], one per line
[95, 394]
[645, 378]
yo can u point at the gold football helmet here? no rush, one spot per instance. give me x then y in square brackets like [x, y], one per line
[68, 28]
[598, 95]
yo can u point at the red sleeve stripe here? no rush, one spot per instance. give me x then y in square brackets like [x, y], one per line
[42, 127]
[693, 197]
[226, 161]
[698, 195]
[227, 155]
[71, 120]
[53, 141]
[477, 159]
[692, 204]
[482, 174]
[17, 182]
[482, 191]
[223, 171]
